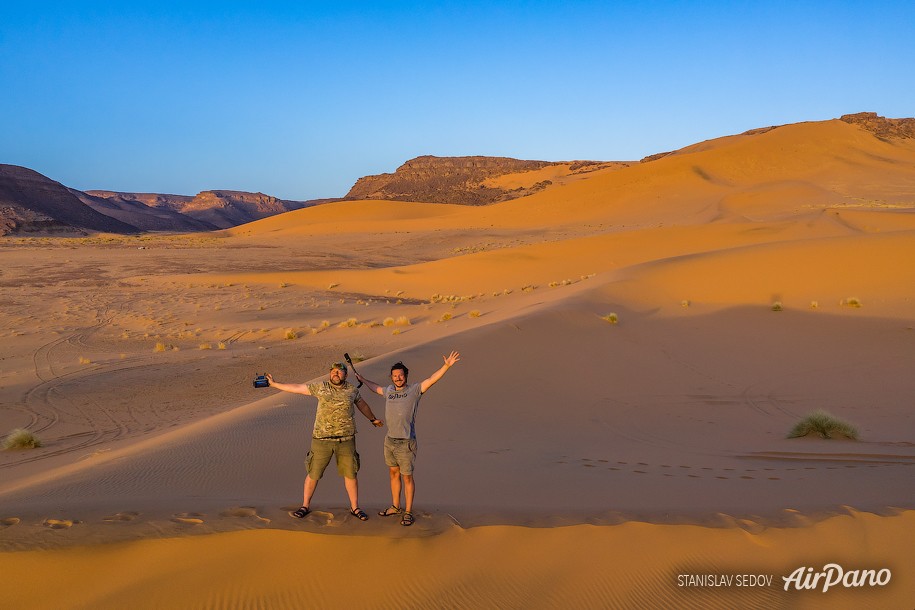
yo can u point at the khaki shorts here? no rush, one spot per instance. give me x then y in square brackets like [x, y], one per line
[400, 453]
[323, 449]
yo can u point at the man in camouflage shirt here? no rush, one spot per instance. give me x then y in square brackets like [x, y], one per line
[334, 433]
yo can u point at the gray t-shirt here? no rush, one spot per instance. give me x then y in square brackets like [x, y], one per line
[400, 410]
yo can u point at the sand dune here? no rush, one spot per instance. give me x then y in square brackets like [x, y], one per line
[571, 458]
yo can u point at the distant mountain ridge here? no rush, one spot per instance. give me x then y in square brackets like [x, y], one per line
[32, 203]
[217, 209]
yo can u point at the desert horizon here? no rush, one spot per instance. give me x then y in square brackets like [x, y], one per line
[637, 342]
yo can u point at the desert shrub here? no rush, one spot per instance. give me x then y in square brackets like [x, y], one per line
[445, 317]
[403, 321]
[777, 306]
[291, 334]
[350, 323]
[21, 439]
[221, 345]
[852, 302]
[612, 318]
[160, 347]
[685, 303]
[206, 346]
[388, 322]
[475, 313]
[83, 360]
[825, 425]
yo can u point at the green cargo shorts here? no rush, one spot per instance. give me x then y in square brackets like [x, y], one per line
[323, 449]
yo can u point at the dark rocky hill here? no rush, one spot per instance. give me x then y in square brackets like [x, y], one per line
[33, 203]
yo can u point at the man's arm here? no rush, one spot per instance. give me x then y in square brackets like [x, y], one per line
[371, 384]
[450, 361]
[295, 388]
[366, 410]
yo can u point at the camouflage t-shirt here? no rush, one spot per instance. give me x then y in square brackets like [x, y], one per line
[336, 407]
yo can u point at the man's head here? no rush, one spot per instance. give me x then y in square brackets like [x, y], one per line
[399, 374]
[338, 373]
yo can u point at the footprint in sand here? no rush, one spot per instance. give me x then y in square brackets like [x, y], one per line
[320, 517]
[9, 521]
[188, 518]
[243, 512]
[121, 517]
[58, 524]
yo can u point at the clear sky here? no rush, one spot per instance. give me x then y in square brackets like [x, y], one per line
[300, 99]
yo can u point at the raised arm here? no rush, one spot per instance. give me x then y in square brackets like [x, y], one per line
[295, 388]
[450, 361]
[371, 384]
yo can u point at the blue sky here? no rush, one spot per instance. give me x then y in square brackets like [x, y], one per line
[300, 99]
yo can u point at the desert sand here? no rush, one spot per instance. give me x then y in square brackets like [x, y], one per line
[636, 344]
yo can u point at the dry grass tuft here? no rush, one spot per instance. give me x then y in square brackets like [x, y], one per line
[475, 313]
[611, 318]
[21, 439]
[206, 346]
[291, 334]
[852, 302]
[777, 306]
[351, 323]
[403, 321]
[824, 425]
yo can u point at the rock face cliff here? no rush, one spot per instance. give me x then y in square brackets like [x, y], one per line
[882, 127]
[33, 203]
[449, 180]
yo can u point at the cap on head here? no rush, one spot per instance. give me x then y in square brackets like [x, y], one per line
[339, 365]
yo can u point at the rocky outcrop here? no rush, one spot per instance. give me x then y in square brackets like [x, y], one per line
[33, 203]
[881, 126]
[453, 180]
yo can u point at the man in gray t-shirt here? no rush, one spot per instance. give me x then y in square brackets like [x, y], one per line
[401, 402]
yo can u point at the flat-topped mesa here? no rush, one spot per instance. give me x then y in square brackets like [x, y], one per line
[451, 180]
[882, 126]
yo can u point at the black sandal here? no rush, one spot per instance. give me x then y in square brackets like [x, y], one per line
[391, 511]
[359, 514]
[300, 513]
[407, 519]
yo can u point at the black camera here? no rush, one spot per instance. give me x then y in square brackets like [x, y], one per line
[261, 381]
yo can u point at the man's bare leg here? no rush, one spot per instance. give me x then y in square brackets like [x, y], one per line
[409, 489]
[352, 490]
[395, 485]
[310, 486]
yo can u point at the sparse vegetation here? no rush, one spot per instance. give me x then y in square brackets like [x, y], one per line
[83, 360]
[350, 323]
[777, 306]
[388, 322]
[403, 321]
[221, 345]
[332, 286]
[852, 302]
[475, 313]
[824, 425]
[21, 439]
[160, 347]
[814, 304]
[685, 303]
[612, 318]
[445, 317]
[206, 346]
[291, 334]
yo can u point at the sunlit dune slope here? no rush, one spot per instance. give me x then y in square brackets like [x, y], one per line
[780, 173]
